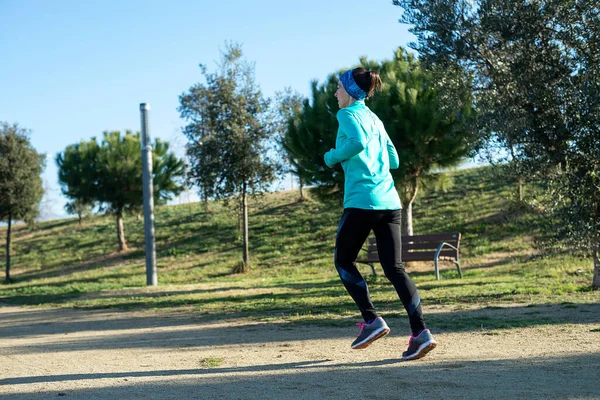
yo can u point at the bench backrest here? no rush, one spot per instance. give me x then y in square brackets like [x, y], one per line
[423, 247]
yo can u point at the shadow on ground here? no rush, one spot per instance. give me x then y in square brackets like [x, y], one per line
[321, 379]
[188, 330]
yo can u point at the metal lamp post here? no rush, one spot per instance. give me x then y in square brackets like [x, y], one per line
[151, 273]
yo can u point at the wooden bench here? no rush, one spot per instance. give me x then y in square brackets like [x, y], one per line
[440, 247]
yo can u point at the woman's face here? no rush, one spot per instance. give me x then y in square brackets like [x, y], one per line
[343, 98]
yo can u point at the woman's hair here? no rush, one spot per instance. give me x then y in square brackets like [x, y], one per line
[369, 81]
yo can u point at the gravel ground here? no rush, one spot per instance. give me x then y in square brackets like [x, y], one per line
[100, 354]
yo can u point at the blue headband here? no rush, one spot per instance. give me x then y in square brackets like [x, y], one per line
[351, 86]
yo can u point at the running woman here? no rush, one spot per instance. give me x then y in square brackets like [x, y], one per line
[371, 202]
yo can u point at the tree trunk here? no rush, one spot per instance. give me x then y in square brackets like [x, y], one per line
[240, 216]
[301, 184]
[80, 216]
[596, 279]
[521, 190]
[246, 258]
[8, 249]
[205, 201]
[409, 194]
[407, 225]
[121, 233]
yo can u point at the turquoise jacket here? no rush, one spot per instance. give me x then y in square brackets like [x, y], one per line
[367, 154]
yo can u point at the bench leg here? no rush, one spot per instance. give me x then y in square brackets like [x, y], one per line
[437, 270]
[373, 269]
[458, 268]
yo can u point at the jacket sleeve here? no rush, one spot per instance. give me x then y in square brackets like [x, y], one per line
[357, 139]
[392, 153]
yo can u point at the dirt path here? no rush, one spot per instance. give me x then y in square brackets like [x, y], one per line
[50, 353]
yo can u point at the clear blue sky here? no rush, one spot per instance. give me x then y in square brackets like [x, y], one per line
[72, 69]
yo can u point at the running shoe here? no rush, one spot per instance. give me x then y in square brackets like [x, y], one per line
[370, 333]
[419, 345]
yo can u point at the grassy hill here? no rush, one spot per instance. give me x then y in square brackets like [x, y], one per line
[292, 275]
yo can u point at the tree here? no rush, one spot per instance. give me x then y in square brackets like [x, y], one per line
[310, 133]
[120, 188]
[521, 63]
[78, 176]
[34, 212]
[228, 135]
[427, 136]
[110, 175]
[573, 199]
[288, 105]
[81, 209]
[20, 179]
[535, 66]
[572, 208]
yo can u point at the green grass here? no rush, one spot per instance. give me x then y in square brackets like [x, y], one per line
[211, 362]
[291, 276]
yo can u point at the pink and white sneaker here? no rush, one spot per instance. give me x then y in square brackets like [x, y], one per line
[419, 345]
[370, 333]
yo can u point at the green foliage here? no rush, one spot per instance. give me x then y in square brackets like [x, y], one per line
[34, 212]
[78, 172]
[572, 208]
[119, 173]
[20, 179]
[311, 132]
[81, 209]
[109, 175]
[229, 136]
[524, 59]
[426, 136]
[288, 106]
[20, 173]
[211, 362]
[294, 278]
[536, 80]
[77, 176]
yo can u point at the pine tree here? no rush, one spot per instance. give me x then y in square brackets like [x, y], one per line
[109, 175]
[311, 132]
[428, 133]
[288, 105]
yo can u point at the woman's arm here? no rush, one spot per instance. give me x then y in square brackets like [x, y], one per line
[357, 139]
[392, 153]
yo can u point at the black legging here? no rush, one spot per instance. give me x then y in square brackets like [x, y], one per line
[353, 230]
